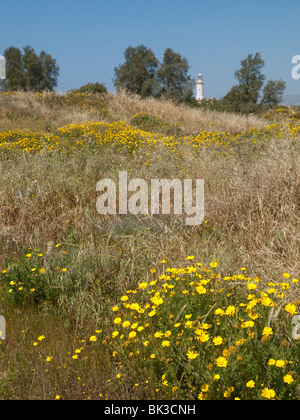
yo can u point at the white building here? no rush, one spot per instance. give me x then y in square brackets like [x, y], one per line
[2, 68]
[200, 88]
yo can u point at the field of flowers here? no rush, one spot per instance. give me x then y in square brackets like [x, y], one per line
[141, 307]
[198, 335]
[122, 137]
[188, 333]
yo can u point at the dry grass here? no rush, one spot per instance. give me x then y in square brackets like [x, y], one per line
[46, 111]
[252, 209]
[124, 105]
[251, 201]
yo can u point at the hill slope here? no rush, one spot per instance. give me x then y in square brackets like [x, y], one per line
[143, 306]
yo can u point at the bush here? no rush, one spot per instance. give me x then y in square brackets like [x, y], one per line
[148, 122]
[92, 88]
[34, 279]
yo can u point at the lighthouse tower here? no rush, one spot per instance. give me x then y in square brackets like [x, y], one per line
[200, 88]
[2, 68]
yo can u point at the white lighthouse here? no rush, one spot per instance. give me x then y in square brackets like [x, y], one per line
[200, 88]
[2, 68]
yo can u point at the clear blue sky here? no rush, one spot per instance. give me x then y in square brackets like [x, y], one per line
[88, 38]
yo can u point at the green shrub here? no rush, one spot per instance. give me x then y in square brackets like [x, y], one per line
[148, 122]
[34, 279]
[92, 88]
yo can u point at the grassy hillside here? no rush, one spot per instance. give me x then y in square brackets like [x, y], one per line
[141, 307]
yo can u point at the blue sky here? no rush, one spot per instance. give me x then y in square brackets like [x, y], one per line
[88, 38]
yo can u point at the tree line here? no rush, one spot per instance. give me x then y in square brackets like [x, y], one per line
[143, 74]
[29, 71]
[250, 94]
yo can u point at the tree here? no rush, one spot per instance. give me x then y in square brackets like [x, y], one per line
[28, 71]
[273, 92]
[138, 73]
[245, 96]
[250, 78]
[173, 77]
[15, 77]
[141, 74]
[233, 100]
[50, 71]
[33, 70]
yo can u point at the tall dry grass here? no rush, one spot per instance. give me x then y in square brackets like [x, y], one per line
[41, 112]
[46, 111]
[251, 201]
[123, 105]
[252, 220]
